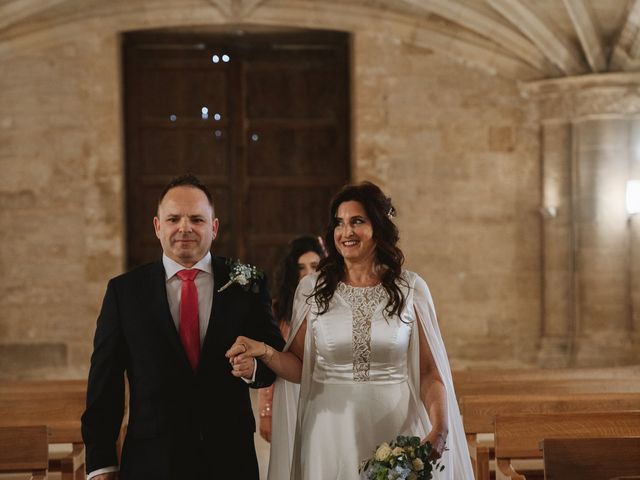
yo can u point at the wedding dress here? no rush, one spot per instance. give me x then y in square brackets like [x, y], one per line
[360, 385]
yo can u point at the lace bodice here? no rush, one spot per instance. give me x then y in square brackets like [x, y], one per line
[356, 343]
[363, 302]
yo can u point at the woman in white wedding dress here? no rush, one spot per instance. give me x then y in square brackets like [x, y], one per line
[366, 349]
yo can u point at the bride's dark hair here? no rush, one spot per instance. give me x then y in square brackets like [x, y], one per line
[385, 235]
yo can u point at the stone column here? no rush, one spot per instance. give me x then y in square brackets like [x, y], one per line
[589, 133]
[602, 161]
[558, 312]
[634, 243]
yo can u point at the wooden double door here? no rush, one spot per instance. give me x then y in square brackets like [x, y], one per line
[261, 118]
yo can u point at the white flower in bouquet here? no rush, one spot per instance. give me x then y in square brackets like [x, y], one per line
[397, 452]
[383, 452]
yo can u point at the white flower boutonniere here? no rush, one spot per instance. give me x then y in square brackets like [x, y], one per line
[244, 275]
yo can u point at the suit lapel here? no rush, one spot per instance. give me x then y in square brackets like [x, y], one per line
[161, 313]
[219, 304]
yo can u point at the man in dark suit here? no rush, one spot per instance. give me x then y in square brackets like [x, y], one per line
[168, 325]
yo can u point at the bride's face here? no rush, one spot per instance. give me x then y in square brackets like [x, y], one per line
[353, 233]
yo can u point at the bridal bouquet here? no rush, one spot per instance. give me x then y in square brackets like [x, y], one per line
[402, 459]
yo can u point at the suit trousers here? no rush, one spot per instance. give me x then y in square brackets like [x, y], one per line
[168, 457]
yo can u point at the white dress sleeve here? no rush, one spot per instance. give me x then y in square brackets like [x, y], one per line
[287, 409]
[456, 459]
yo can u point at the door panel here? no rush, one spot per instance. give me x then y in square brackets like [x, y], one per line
[267, 130]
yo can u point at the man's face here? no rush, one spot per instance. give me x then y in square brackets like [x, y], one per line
[185, 225]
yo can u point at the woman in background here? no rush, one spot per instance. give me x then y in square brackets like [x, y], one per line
[303, 256]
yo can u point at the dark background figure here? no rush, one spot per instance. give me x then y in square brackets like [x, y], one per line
[302, 258]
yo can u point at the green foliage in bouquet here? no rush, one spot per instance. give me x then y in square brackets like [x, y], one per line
[402, 459]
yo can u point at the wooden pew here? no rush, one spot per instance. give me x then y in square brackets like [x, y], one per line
[590, 458]
[65, 426]
[56, 404]
[24, 450]
[20, 386]
[552, 386]
[541, 381]
[461, 376]
[538, 381]
[478, 413]
[520, 436]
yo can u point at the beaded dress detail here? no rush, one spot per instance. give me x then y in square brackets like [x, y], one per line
[364, 301]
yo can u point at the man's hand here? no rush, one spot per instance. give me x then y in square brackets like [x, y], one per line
[241, 356]
[242, 366]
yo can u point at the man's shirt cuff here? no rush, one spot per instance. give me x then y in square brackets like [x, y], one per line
[95, 473]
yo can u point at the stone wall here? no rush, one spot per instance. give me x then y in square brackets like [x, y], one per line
[458, 152]
[457, 149]
[61, 189]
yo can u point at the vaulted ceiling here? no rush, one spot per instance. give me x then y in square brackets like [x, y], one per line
[555, 38]
[519, 39]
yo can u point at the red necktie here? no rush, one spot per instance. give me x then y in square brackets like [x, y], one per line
[189, 325]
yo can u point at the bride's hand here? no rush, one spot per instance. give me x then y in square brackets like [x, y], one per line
[241, 355]
[437, 439]
[243, 348]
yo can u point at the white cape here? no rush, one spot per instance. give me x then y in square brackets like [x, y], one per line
[289, 402]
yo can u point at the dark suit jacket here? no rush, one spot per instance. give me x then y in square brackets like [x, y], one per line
[182, 424]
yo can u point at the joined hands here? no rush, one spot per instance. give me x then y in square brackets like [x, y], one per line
[242, 353]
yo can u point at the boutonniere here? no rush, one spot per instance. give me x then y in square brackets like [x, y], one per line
[244, 275]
